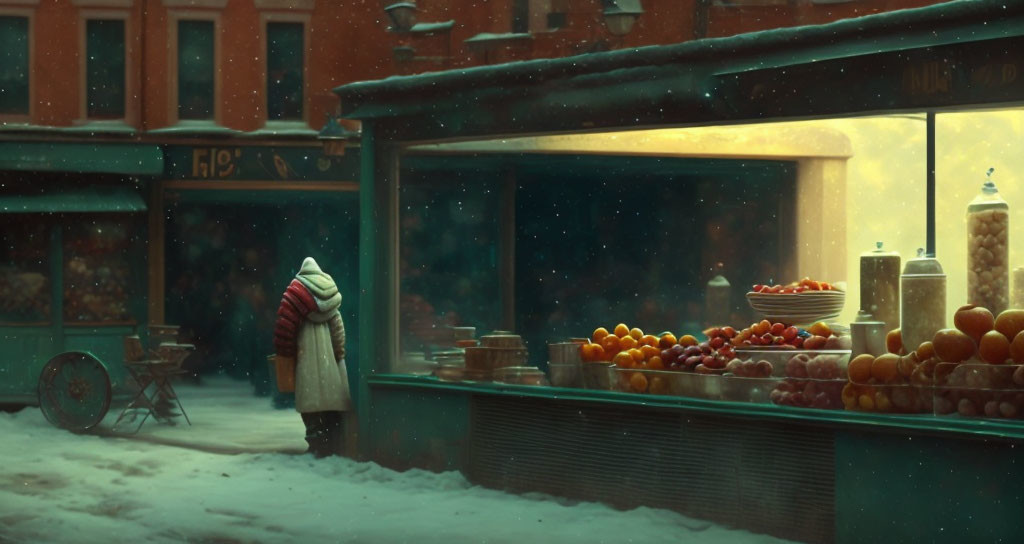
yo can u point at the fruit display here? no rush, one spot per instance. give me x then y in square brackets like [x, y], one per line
[766, 333]
[891, 382]
[812, 381]
[749, 368]
[804, 285]
[980, 364]
[748, 381]
[24, 296]
[708, 357]
[97, 274]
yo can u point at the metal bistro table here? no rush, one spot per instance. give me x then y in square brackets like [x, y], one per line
[156, 395]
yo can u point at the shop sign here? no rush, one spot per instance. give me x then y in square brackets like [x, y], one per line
[252, 163]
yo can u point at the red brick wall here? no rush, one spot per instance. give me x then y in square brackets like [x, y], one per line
[349, 41]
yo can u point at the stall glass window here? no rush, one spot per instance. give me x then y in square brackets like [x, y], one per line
[449, 259]
[101, 280]
[590, 249]
[14, 92]
[25, 288]
[105, 68]
[285, 51]
[195, 69]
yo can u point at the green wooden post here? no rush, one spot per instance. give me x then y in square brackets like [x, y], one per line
[378, 271]
[57, 285]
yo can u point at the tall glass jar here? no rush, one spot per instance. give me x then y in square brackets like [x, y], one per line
[1018, 288]
[717, 308]
[880, 286]
[988, 269]
[923, 308]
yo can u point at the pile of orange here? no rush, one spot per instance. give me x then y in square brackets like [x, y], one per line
[627, 347]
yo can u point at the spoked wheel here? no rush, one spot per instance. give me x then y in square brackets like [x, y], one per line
[74, 391]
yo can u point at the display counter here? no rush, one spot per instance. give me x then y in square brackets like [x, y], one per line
[558, 225]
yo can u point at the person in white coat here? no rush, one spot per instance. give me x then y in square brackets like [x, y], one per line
[309, 331]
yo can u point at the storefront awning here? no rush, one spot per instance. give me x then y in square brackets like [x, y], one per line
[121, 199]
[91, 157]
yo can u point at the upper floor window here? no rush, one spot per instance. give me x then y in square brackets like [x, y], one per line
[285, 64]
[14, 67]
[105, 68]
[196, 69]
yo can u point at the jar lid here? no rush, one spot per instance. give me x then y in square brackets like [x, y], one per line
[922, 266]
[718, 281]
[865, 319]
[879, 252]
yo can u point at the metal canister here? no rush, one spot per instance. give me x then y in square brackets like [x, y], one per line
[867, 335]
[880, 285]
[923, 300]
[564, 364]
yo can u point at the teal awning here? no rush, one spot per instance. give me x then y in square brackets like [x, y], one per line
[120, 199]
[91, 157]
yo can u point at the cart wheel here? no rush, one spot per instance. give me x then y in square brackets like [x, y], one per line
[74, 391]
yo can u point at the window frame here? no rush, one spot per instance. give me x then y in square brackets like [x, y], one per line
[276, 17]
[173, 18]
[131, 85]
[28, 13]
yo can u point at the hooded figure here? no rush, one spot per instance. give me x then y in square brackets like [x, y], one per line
[309, 329]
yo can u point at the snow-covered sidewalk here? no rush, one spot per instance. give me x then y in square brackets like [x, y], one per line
[226, 418]
[60, 487]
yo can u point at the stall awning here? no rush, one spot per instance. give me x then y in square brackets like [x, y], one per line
[121, 199]
[91, 157]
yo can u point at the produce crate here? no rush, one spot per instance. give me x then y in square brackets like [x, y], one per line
[979, 390]
[667, 382]
[780, 357]
[753, 390]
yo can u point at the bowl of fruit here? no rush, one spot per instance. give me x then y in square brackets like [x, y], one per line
[800, 302]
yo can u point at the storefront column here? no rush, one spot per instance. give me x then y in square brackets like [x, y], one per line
[378, 273]
[157, 267]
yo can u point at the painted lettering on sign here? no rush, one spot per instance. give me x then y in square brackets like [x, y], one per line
[210, 163]
[928, 78]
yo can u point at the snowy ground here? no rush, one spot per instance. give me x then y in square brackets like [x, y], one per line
[59, 487]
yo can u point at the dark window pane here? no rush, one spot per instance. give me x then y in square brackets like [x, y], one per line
[105, 65]
[284, 70]
[195, 69]
[25, 291]
[14, 65]
[521, 16]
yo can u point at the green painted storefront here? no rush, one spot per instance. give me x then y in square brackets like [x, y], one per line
[809, 475]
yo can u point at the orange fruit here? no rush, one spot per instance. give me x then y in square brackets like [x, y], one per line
[611, 344]
[636, 333]
[925, 351]
[599, 333]
[667, 340]
[623, 359]
[649, 340]
[587, 352]
[820, 329]
[894, 341]
[638, 382]
[597, 352]
[636, 354]
[621, 330]
[658, 386]
[655, 363]
[994, 348]
[649, 351]
[688, 340]
[627, 342]
[884, 368]
[859, 368]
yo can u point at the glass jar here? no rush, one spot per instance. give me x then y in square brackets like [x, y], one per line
[880, 286]
[923, 300]
[988, 270]
[716, 302]
[1018, 287]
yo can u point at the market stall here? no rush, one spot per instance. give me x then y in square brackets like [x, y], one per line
[74, 270]
[844, 435]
